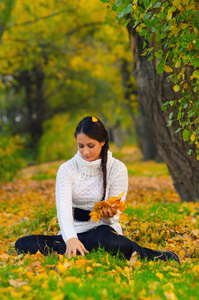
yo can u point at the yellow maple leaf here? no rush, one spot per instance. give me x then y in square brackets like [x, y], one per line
[159, 275]
[112, 202]
[123, 218]
[61, 268]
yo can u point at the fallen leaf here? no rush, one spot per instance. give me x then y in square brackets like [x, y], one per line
[88, 269]
[17, 283]
[36, 264]
[159, 275]
[4, 256]
[170, 296]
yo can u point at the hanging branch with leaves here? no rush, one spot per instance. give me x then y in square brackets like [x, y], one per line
[173, 27]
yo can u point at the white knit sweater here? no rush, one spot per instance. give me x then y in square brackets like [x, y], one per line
[79, 184]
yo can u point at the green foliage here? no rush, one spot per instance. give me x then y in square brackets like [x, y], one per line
[171, 33]
[11, 157]
[5, 14]
[58, 141]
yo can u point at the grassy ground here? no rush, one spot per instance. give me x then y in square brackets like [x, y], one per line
[156, 219]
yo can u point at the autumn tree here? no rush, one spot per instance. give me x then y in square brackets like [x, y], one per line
[54, 59]
[165, 44]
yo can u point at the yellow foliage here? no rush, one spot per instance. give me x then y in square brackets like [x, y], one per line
[61, 268]
[196, 269]
[160, 276]
[192, 137]
[170, 13]
[170, 295]
[176, 88]
[168, 69]
[113, 202]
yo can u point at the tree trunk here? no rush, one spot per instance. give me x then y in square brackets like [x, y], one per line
[34, 103]
[129, 90]
[153, 90]
[148, 145]
[143, 131]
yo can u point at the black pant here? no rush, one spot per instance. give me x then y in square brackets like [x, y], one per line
[102, 236]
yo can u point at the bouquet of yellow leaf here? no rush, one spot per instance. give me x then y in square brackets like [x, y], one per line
[113, 203]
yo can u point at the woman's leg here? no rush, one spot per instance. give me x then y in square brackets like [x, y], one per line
[106, 237]
[44, 243]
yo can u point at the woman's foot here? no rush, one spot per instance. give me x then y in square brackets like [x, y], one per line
[166, 255]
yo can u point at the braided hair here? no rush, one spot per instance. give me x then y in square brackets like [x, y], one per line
[95, 129]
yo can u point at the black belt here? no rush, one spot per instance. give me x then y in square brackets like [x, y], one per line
[81, 214]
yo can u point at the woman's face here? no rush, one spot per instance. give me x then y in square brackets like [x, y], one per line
[89, 149]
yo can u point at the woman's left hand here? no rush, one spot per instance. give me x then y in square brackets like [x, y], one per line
[109, 213]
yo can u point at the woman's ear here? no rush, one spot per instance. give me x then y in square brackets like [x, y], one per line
[102, 144]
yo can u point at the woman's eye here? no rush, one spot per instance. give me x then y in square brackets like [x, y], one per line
[81, 146]
[91, 146]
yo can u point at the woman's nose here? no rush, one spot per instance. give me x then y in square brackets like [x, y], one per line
[86, 150]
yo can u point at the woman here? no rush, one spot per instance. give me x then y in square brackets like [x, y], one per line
[90, 176]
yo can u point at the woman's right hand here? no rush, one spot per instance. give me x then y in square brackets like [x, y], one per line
[109, 213]
[73, 245]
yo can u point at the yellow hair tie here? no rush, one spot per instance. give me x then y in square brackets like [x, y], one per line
[94, 119]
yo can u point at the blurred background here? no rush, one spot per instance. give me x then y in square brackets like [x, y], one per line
[60, 61]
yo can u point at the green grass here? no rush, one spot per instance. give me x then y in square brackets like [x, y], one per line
[43, 176]
[103, 277]
[154, 221]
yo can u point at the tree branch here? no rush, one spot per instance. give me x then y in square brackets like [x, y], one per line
[38, 19]
[82, 26]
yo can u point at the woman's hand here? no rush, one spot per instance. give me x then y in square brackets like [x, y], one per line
[112, 211]
[73, 245]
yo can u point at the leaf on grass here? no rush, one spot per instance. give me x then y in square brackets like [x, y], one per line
[123, 218]
[175, 274]
[67, 264]
[170, 295]
[134, 258]
[160, 275]
[4, 256]
[182, 253]
[168, 286]
[195, 269]
[36, 264]
[17, 283]
[88, 269]
[195, 232]
[29, 274]
[61, 268]
[26, 288]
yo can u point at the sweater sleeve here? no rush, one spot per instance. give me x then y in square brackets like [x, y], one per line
[64, 202]
[118, 184]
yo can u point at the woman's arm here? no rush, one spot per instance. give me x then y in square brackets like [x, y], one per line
[64, 202]
[64, 212]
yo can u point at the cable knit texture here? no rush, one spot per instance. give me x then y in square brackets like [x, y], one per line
[79, 184]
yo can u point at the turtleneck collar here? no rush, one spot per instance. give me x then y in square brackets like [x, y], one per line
[91, 168]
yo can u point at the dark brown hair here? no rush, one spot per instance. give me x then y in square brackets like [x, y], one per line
[96, 130]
